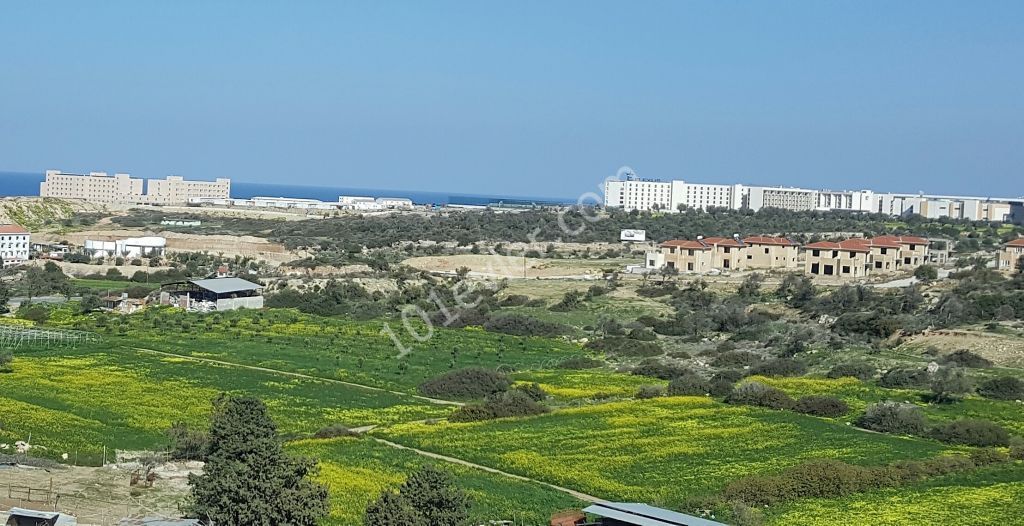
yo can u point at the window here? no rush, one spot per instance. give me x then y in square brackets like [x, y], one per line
[885, 251]
[814, 268]
[816, 253]
[878, 264]
[846, 269]
[671, 264]
[750, 256]
[766, 250]
[689, 266]
[829, 270]
[853, 255]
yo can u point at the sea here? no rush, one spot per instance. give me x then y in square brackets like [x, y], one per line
[27, 184]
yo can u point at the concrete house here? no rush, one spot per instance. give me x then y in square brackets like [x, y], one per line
[14, 245]
[727, 253]
[913, 250]
[765, 252]
[843, 259]
[1010, 254]
[681, 254]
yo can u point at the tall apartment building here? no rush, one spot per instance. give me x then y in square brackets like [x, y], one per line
[99, 187]
[14, 245]
[638, 194]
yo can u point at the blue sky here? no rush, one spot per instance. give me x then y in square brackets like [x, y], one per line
[520, 97]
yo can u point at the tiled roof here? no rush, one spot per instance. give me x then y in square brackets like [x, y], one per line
[686, 243]
[12, 229]
[851, 245]
[903, 240]
[1016, 243]
[768, 240]
[724, 241]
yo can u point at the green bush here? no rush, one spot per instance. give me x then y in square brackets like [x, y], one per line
[965, 358]
[862, 371]
[1002, 388]
[893, 417]
[759, 394]
[658, 369]
[904, 378]
[720, 387]
[504, 405]
[779, 367]
[1017, 448]
[521, 325]
[622, 346]
[824, 406]
[972, 432]
[689, 385]
[579, 363]
[649, 391]
[469, 383]
[736, 359]
[533, 391]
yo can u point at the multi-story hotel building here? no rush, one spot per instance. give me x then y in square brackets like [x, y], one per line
[99, 187]
[14, 245]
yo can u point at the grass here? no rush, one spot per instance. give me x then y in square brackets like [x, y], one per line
[987, 497]
[859, 395]
[354, 351]
[77, 402]
[570, 386]
[111, 285]
[659, 451]
[357, 470]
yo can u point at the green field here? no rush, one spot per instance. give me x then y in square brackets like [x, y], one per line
[658, 451]
[77, 402]
[988, 497]
[355, 471]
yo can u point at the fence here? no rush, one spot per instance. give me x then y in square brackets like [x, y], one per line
[14, 337]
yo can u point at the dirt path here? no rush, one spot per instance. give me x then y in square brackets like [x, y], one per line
[459, 461]
[299, 375]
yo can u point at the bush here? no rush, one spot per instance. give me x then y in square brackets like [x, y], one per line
[729, 375]
[514, 300]
[649, 391]
[1017, 448]
[533, 391]
[621, 346]
[893, 417]
[469, 383]
[579, 363]
[736, 359]
[972, 432]
[520, 325]
[1002, 388]
[779, 367]
[658, 369]
[503, 405]
[948, 384]
[720, 387]
[689, 385]
[903, 378]
[334, 431]
[965, 358]
[862, 371]
[825, 406]
[987, 456]
[759, 394]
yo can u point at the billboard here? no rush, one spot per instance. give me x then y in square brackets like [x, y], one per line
[633, 235]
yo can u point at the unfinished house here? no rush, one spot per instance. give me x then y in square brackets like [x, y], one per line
[838, 259]
[1010, 254]
[766, 252]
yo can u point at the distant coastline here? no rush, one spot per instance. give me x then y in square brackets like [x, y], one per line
[13, 184]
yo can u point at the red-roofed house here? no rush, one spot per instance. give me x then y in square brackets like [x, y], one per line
[1011, 254]
[843, 259]
[14, 245]
[771, 252]
[913, 250]
[682, 254]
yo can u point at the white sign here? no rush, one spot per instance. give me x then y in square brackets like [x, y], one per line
[633, 235]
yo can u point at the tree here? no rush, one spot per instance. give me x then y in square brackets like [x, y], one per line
[428, 497]
[751, 286]
[948, 384]
[90, 302]
[6, 357]
[248, 478]
[926, 273]
[796, 290]
[5, 296]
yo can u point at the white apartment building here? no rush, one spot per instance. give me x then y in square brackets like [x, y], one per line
[638, 194]
[177, 190]
[99, 187]
[14, 245]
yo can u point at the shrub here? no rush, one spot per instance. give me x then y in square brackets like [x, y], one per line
[533, 391]
[689, 385]
[334, 431]
[649, 391]
[779, 367]
[987, 456]
[657, 369]
[520, 325]
[893, 417]
[825, 406]
[187, 443]
[759, 394]
[972, 432]
[1002, 388]
[621, 346]
[1017, 448]
[514, 300]
[948, 384]
[729, 375]
[503, 405]
[965, 358]
[472, 382]
[862, 371]
[736, 359]
[902, 378]
[580, 362]
[720, 387]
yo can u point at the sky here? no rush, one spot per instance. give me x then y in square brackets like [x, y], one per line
[537, 98]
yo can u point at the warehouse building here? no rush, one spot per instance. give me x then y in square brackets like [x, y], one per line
[213, 294]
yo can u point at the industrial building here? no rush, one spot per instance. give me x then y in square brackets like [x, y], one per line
[121, 188]
[213, 294]
[132, 247]
[15, 242]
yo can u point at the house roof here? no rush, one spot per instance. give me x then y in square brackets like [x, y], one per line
[225, 285]
[851, 245]
[12, 229]
[644, 515]
[157, 521]
[61, 519]
[1016, 243]
[686, 243]
[724, 241]
[903, 240]
[769, 240]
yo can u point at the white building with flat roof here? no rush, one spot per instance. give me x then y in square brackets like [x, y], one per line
[99, 187]
[178, 190]
[15, 242]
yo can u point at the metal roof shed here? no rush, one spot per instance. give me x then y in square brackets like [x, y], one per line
[226, 285]
[634, 514]
[26, 517]
[158, 521]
